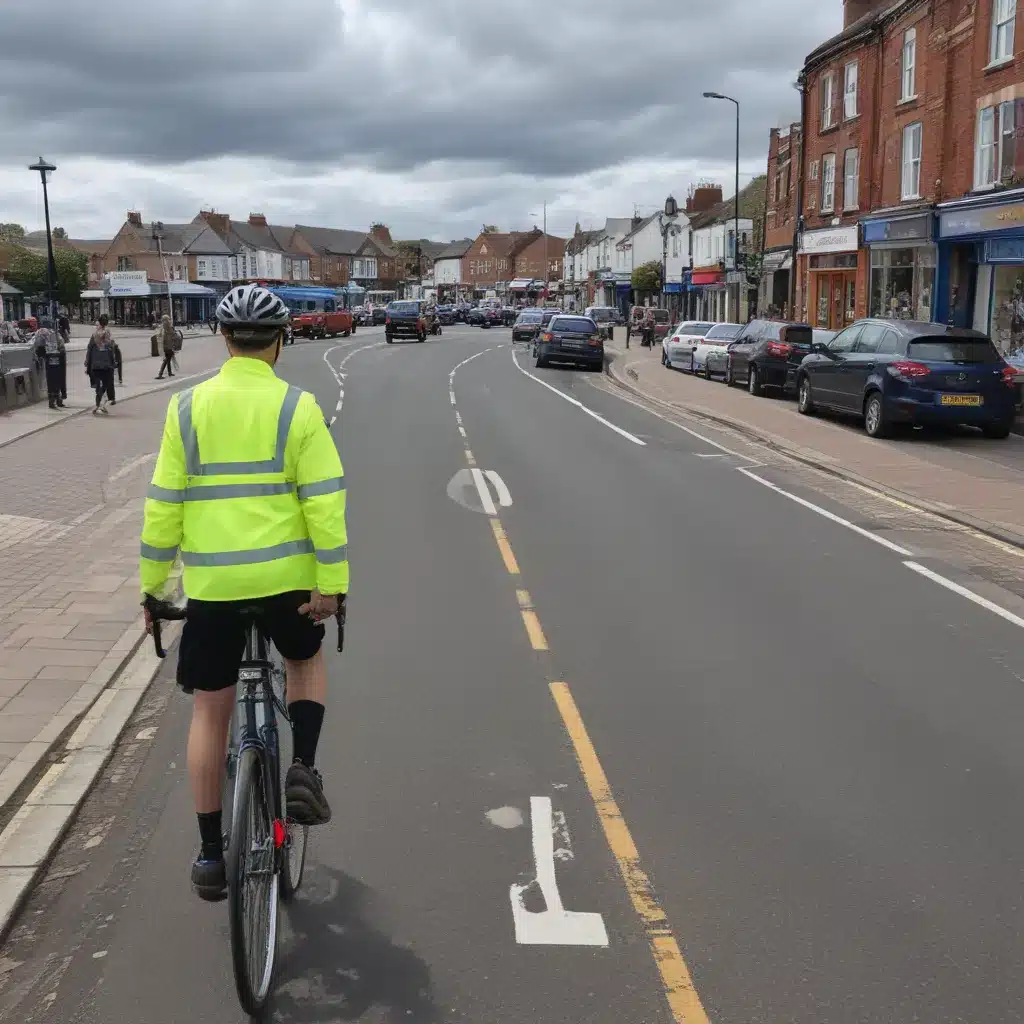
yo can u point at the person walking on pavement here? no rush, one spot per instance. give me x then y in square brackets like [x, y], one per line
[49, 347]
[168, 342]
[100, 363]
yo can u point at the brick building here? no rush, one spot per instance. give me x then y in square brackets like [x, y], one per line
[513, 261]
[780, 237]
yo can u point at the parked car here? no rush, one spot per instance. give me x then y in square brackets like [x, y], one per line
[677, 348]
[604, 317]
[574, 339]
[545, 319]
[716, 341]
[527, 325]
[767, 354]
[906, 371]
[446, 314]
[407, 318]
[378, 315]
[485, 316]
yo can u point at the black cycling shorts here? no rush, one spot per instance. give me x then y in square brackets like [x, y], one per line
[213, 638]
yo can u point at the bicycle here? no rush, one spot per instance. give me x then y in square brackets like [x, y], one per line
[260, 843]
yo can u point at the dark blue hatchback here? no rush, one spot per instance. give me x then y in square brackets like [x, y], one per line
[906, 371]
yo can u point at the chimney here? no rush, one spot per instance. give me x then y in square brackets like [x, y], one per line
[854, 10]
[257, 220]
[135, 218]
[381, 233]
[703, 197]
[220, 222]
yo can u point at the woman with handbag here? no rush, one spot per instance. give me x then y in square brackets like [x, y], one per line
[168, 343]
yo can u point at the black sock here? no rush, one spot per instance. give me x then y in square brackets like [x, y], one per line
[307, 718]
[210, 836]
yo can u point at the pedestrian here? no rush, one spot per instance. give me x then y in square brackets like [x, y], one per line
[168, 341]
[49, 347]
[100, 364]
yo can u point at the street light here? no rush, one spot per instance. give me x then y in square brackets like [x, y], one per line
[158, 237]
[736, 254]
[545, 215]
[44, 168]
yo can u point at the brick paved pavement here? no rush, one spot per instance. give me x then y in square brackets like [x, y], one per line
[70, 513]
[974, 480]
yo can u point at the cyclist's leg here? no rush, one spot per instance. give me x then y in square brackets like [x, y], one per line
[298, 639]
[212, 643]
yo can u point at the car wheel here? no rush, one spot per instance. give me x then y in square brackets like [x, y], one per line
[388, 338]
[997, 431]
[876, 423]
[347, 333]
[541, 362]
[707, 370]
[754, 385]
[804, 398]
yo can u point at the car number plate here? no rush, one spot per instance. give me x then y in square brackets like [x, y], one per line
[960, 400]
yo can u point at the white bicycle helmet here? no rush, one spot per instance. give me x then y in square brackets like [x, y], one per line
[252, 308]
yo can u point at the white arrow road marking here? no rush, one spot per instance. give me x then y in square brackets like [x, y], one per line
[504, 497]
[485, 495]
[553, 926]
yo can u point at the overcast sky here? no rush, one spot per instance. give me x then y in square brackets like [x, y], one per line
[435, 117]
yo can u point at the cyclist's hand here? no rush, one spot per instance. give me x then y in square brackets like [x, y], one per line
[320, 606]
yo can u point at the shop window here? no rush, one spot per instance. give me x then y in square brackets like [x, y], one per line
[850, 91]
[1004, 14]
[1007, 326]
[911, 176]
[901, 283]
[908, 66]
[828, 183]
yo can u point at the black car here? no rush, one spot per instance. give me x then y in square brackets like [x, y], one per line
[462, 311]
[379, 316]
[571, 339]
[446, 314]
[545, 319]
[528, 325]
[906, 371]
[484, 316]
[407, 318]
[767, 354]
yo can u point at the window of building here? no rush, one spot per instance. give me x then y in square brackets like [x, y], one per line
[1006, 328]
[827, 101]
[911, 177]
[828, 183]
[1004, 14]
[201, 267]
[675, 245]
[901, 283]
[908, 65]
[814, 170]
[995, 145]
[850, 91]
[252, 266]
[851, 176]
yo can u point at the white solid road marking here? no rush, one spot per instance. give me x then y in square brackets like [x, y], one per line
[504, 496]
[485, 495]
[828, 515]
[553, 926]
[579, 405]
[710, 455]
[128, 467]
[982, 602]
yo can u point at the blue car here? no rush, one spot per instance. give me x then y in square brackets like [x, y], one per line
[907, 371]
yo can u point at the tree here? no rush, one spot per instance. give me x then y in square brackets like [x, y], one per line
[27, 271]
[11, 232]
[59, 233]
[489, 229]
[647, 277]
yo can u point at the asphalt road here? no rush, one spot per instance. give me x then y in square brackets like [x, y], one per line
[815, 749]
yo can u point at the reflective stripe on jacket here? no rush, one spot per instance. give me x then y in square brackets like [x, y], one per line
[248, 486]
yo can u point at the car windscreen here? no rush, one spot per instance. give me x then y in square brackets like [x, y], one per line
[691, 330]
[797, 334]
[723, 332]
[404, 307]
[574, 325]
[529, 318]
[953, 350]
[599, 315]
[662, 316]
[545, 318]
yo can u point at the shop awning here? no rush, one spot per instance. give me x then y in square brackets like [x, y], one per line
[707, 277]
[777, 261]
[93, 293]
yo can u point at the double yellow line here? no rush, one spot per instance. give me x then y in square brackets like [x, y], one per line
[680, 994]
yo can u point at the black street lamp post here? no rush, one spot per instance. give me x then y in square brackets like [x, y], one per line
[736, 230]
[44, 168]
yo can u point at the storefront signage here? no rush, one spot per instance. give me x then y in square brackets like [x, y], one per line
[905, 229]
[127, 282]
[829, 240]
[978, 221]
[1004, 250]
[707, 277]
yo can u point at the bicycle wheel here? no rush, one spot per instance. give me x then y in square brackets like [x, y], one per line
[293, 864]
[252, 886]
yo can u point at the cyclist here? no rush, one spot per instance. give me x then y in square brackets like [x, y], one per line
[249, 488]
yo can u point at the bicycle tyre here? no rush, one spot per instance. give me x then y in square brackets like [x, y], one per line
[252, 833]
[293, 863]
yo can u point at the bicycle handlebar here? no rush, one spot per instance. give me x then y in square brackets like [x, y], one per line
[167, 611]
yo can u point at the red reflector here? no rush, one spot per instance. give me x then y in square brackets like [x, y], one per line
[387, 320]
[779, 348]
[908, 370]
[545, 336]
[1010, 376]
[279, 834]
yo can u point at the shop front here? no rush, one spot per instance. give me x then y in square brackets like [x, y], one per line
[903, 260]
[711, 295]
[832, 262]
[773, 291]
[981, 268]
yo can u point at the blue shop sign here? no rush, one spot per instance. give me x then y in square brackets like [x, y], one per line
[979, 220]
[672, 287]
[1004, 250]
[901, 229]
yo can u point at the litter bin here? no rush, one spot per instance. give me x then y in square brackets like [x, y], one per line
[154, 346]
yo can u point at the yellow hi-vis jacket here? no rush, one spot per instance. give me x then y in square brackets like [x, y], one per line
[248, 486]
